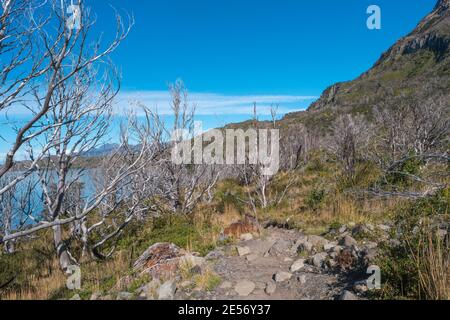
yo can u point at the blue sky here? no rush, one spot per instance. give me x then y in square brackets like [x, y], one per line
[295, 47]
[233, 52]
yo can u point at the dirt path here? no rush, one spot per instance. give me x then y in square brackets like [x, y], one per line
[274, 252]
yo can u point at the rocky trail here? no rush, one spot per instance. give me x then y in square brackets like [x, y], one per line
[270, 268]
[278, 264]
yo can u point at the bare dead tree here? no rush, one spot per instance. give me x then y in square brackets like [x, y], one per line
[18, 208]
[68, 119]
[55, 52]
[413, 133]
[349, 137]
[133, 198]
[259, 185]
[20, 63]
[183, 186]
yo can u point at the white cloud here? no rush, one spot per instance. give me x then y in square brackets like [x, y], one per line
[215, 104]
[206, 103]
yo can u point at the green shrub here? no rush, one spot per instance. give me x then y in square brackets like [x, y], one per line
[315, 199]
[418, 267]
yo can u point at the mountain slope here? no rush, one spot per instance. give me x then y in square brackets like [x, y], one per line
[417, 66]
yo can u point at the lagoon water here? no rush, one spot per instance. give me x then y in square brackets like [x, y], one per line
[35, 199]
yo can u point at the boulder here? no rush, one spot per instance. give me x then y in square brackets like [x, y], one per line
[347, 295]
[362, 230]
[186, 284]
[244, 288]
[251, 257]
[95, 296]
[370, 255]
[317, 241]
[246, 237]
[226, 285]
[282, 247]
[167, 290]
[214, 255]
[297, 265]
[156, 254]
[270, 289]
[332, 263]
[302, 279]
[360, 287]
[282, 276]
[329, 246]
[305, 247]
[318, 259]
[348, 241]
[243, 251]
[192, 260]
[124, 296]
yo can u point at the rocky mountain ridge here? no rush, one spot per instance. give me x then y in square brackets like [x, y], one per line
[417, 67]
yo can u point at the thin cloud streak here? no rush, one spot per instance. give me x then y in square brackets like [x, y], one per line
[213, 103]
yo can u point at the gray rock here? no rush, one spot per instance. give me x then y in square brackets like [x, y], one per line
[214, 255]
[246, 237]
[318, 259]
[243, 251]
[167, 290]
[270, 289]
[360, 287]
[305, 247]
[282, 247]
[348, 241]
[186, 284]
[252, 257]
[192, 260]
[244, 288]
[384, 227]
[332, 263]
[300, 241]
[329, 246]
[302, 279]
[226, 285]
[260, 247]
[124, 296]
[95, 296]
[347, 295]
[361, 230]
[297, 265]
[370, 255]
[333, 255]
[76, 297]
[342, 229]
[317, 241]
[150, 290]
[282, 276]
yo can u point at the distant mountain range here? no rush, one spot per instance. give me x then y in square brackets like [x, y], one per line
[103, 150]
